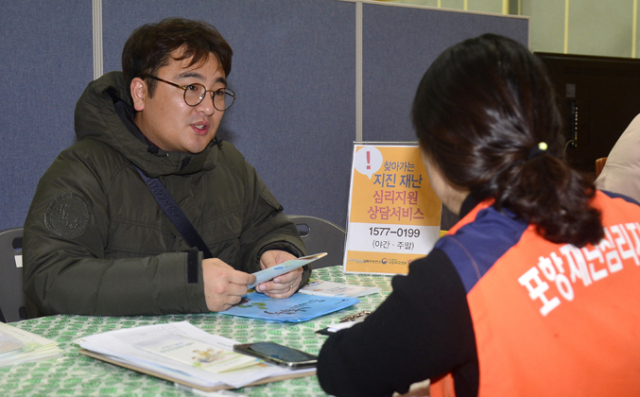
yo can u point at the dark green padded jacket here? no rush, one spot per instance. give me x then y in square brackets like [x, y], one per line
[97, 243]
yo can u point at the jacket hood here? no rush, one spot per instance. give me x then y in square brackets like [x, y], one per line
[96, 117]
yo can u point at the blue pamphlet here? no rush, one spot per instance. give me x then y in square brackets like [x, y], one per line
[297, 308]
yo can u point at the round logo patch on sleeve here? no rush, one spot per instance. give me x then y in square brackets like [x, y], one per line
[67, 215]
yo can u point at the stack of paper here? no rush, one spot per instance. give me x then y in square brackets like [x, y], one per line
[327, 288]
[183, 353]
[18, 346]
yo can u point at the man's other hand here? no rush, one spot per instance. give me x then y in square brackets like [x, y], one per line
[284, 285]
[223, 285]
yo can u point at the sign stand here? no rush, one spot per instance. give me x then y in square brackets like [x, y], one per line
[394, 215]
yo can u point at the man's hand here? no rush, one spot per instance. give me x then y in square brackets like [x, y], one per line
[284, 285]
[223, 285]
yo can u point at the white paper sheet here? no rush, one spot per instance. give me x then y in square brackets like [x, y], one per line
[19, 346]
[121, 346]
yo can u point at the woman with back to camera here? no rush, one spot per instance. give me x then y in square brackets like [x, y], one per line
[536, 291]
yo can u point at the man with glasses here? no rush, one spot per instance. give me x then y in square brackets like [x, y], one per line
[102, 239]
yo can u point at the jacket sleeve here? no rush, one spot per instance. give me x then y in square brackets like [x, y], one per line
[66, 269]
[266, 227]
[421, 331]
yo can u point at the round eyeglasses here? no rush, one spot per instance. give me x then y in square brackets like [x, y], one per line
[194, 94]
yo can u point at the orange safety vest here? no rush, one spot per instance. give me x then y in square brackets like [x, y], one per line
[551, 319]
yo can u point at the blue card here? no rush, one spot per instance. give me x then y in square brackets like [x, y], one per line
[284, 267]
[295, 309]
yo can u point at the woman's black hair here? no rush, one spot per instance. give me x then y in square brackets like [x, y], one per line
[480, 113]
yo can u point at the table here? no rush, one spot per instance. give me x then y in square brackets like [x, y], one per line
[76, 375]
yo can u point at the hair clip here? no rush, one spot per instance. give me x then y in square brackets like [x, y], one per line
[541, 148]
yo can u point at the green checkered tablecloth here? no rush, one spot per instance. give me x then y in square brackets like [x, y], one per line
[76, 375]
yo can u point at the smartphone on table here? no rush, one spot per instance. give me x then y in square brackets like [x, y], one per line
[278, 354]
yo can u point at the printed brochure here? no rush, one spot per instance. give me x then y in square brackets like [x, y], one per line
[297, 308]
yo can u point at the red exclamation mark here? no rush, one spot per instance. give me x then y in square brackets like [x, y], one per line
[368, 160]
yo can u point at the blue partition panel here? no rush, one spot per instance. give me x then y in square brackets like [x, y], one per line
[399, 45]
[46, 62]
[294, 74]
[294, 70]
